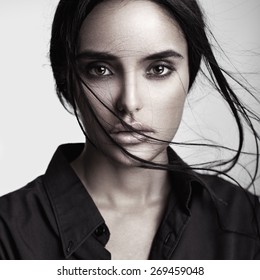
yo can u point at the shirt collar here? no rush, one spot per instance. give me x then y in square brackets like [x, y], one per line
[76, 213]
[184, 179]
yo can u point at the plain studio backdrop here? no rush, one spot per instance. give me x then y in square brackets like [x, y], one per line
[33, 122]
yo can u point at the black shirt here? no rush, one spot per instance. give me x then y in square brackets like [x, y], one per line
[54, 217]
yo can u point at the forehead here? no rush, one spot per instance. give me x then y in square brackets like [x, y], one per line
[130, 27]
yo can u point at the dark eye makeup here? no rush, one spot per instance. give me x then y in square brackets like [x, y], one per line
[160, 70]
[101, 70]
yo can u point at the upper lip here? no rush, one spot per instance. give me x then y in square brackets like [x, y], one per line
[130, 127]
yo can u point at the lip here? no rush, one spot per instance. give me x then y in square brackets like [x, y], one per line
[125, 135]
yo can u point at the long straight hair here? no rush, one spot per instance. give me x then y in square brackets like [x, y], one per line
[68, 19]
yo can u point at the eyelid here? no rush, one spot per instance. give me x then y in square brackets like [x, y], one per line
[86, 67]
[164, 62]
[98, 64]
[167, 64]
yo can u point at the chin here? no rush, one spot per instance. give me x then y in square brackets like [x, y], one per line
[144, 151]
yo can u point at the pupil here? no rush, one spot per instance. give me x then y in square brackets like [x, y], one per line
[101, 70]
[159, 69]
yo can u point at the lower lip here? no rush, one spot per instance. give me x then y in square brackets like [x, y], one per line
[129, 138]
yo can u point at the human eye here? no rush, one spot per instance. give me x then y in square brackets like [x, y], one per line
[97, 70]
[160, 70]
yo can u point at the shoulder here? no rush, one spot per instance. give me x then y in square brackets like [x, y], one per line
[23, 214]
[238, 209]
[227, 192]
[22, 198]
[23, 205]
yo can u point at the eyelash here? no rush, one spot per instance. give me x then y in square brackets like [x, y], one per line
[91, 68]
[170, 69]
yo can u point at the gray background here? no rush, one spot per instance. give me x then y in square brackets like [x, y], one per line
[33, 123]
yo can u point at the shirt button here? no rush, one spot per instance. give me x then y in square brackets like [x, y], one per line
[100, 230]
[167, 239]
[68, 250]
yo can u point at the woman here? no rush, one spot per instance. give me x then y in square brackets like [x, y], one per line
[126, 68]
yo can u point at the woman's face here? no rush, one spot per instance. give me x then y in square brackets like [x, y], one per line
[134, 58]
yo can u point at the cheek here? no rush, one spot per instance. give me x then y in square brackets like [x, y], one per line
[169, 116]
[168, 107]
[96, 112]
[100, 98]
[169, 101]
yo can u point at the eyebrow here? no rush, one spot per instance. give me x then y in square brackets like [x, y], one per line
[108, 56]
[96, 55]
[163, 54]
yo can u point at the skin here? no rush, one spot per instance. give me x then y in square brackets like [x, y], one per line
[143, 89]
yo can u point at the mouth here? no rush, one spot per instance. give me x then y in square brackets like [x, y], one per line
[130, 134]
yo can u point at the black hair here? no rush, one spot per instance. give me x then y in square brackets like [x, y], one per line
[68, 19]
[70, 15]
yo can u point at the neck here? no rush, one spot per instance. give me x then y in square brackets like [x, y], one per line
[113, 183]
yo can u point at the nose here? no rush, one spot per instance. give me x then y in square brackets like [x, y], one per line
[129, 98]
